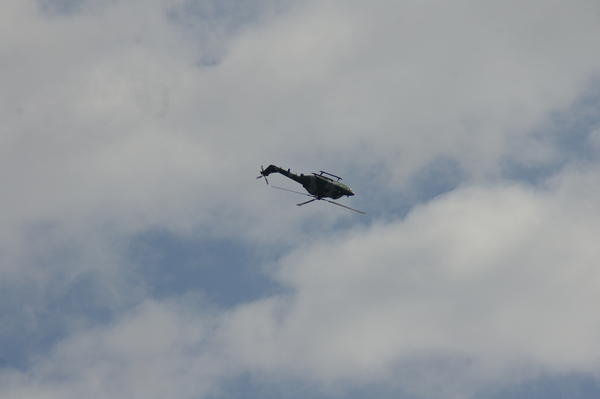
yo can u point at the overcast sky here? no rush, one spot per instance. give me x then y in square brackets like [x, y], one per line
[140, 257]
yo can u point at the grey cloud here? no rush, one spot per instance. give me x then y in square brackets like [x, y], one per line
[213, 24]
[128, 359]
[61, 7]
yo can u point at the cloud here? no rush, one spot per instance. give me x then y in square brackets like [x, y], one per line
[118, 116]
[124, 118]
[483, 285]
[154, 351]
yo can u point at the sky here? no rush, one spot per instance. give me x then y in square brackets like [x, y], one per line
[140, 257]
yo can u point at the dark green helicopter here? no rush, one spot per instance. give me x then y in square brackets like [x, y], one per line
[320, 186]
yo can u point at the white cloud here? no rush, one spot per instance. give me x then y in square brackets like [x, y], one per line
[498, 281]
[123, 118]
[112, 125]
[485, 285]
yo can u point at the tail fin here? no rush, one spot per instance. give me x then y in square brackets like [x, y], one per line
[270, 169]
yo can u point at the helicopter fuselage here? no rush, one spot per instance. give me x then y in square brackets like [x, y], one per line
[316, 184]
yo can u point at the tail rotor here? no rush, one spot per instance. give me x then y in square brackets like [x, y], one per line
[263, 175]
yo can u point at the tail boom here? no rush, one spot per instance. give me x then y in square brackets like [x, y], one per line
[276, 169]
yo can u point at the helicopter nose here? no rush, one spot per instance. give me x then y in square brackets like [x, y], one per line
[350, 193]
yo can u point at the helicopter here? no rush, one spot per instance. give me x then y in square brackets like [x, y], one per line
[319, 186]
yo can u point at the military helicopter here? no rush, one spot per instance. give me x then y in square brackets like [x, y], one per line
[320, 186]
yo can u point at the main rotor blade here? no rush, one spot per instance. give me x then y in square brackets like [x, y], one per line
[344, 206]
[315, 198]
[292, 191]
[306, 202]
